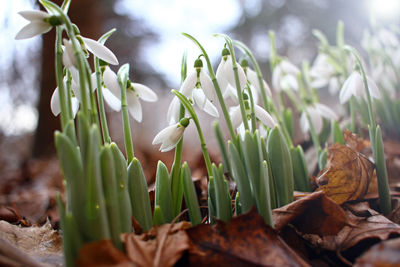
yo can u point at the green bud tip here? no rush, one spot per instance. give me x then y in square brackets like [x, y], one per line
[198, 63]
[225, 52]
[54, 20]
[184, 122]
[244, 63]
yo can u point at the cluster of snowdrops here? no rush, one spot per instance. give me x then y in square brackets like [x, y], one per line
[105, 188]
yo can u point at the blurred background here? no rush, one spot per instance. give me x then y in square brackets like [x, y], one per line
[149, 38]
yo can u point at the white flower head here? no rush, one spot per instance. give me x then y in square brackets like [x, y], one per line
[225, 74]
[316, 113]
[354, 85]
[284, 76]
[261, 114]
[321, 72]
[253, 79]
[39, 23]
[170, 136]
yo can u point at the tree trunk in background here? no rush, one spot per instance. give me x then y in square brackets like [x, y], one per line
[85, 14]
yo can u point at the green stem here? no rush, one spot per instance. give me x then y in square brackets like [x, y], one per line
[100, 101]
[190, 109]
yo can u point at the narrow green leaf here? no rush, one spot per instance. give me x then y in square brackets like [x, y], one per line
[288, 121]
[212, 202]
[163, 197]
[189, 192]
[238, 205]
[264, 196]
[223, 207]
[158, 218]
[222, 148]
[337, 134]
[138, 192]
[300, 172]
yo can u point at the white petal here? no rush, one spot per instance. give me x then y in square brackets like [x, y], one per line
[100, 51]
[264, 116]
[304, 125]
[231, 92]
[111, 82]
[32, 29]
[252, 77]
[188, 85]
[326, 111]
[34, 14]
[111, 100]
[316, 119]
[145, 92]
[236, 117]
[207, 86]
[173, 139]
[173, 111]
[289, 82]
[134, 106]
[199, 98]
[349, 87]
[55, 103]
[333, 85]
[75, 105]
[276, 79]
[267, 89]
[68, 55]
[211, 109]
[373, 88]
[242, 76]
[254, 93]
[164, 134]
[288, 67]
[93, 79]
[319, 82]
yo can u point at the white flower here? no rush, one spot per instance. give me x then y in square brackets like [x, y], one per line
[259, 112]
[198, 88]
[38, 24]
[134, 92]
[354, 85]
[316, 113]
[321, 72]
[97, 49]
[55, 103]
[170, 136]
[253, 79]
[226, 76]
[284, 76]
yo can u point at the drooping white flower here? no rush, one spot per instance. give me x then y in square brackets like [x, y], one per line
[38, 24]
[354, 85]
[260, 113]
[253, 79]
[68, 57]
[199, 89]
[321, 72]
[55, 103]
[134, 92]
[226, 76]
[170, 136]
[316, 113]
[100, 51]
[284, 76]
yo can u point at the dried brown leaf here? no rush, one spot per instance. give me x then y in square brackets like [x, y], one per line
[386, 253]
[163, 244]
[312, 214]
[245, 241]
[102, 253]
[347, 175]
[354, 142]
[41, 243]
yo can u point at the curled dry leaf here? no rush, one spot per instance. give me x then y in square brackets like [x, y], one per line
[347, 176]
[354, 142]
[328, 218]
[383, 254]
[161, 246]
[42, 244]
[101, 253]
[245, 241]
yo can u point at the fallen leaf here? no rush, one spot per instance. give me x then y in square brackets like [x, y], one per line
[245, 241]
[354, 142]
[382, 254]
[162, 244]
[101, 253]
[43, 243]
[328, 218]
[347, 175]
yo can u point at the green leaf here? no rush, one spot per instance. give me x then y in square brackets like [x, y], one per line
[189, 192]
[111, 195]
[337, 133]
[163, 197]
[222, 148]
[223, 206]
[121, 174]
[138, 192]
[300, 172]
[281, 166]
[158, 218]
[212, 202]
[241, 178]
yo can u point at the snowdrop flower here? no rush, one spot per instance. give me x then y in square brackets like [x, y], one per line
[284, 76]
[39, 22]
[321, 72]
[96, 48]
[354, 85]
[134, 92]
[170, 136]
[55, 103]
[226, 76]
[199, 89]
[253, 79]
[259, 112]
[316, 113]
